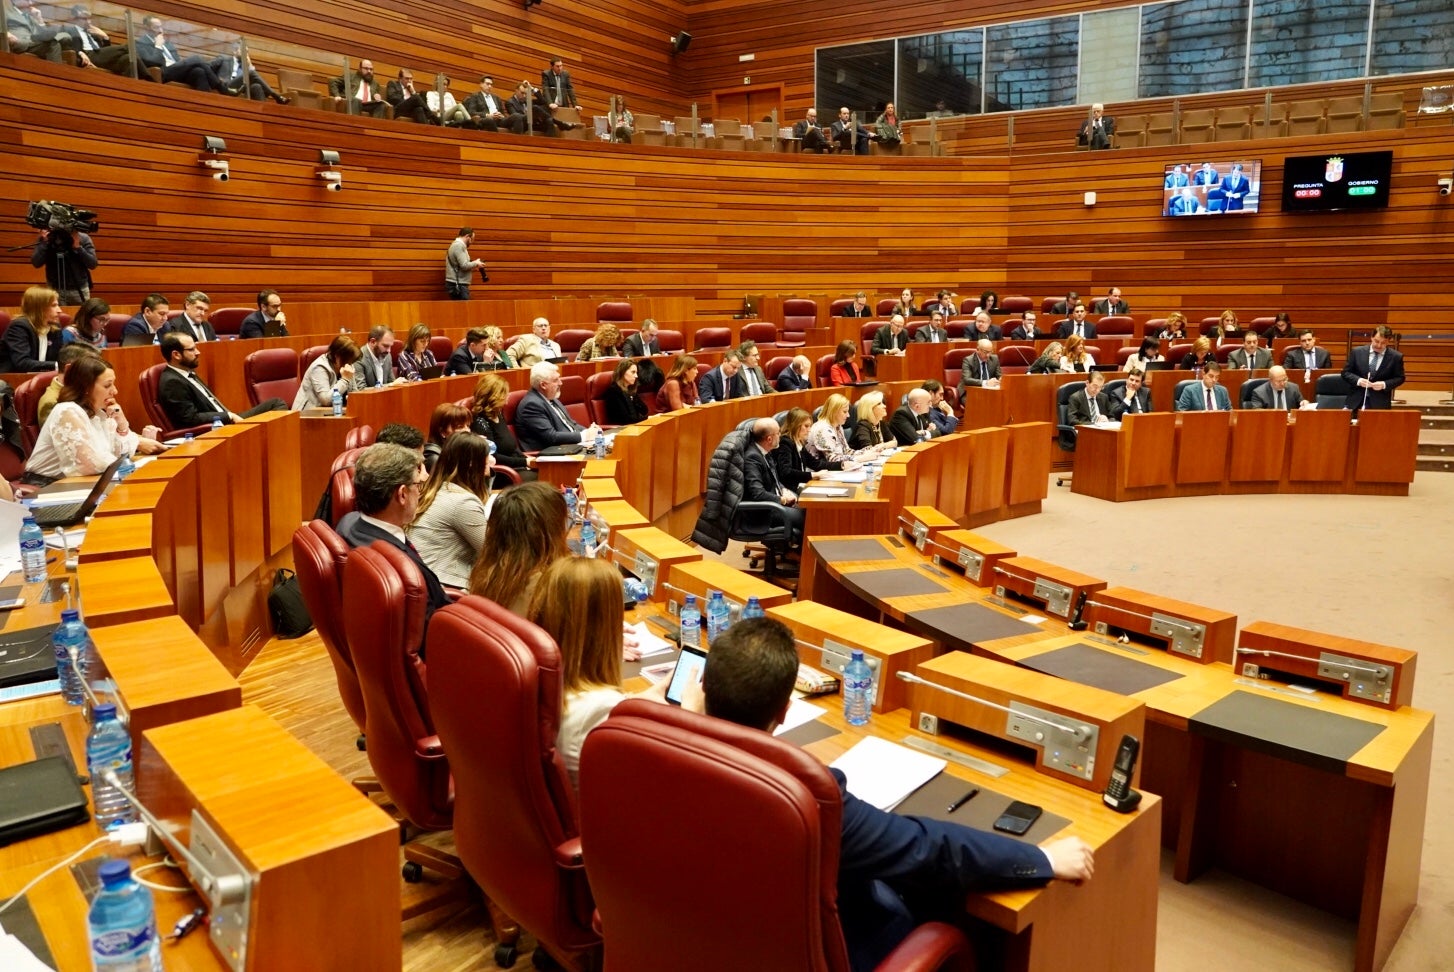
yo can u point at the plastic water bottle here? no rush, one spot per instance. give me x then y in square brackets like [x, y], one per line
[72, 634]
[588, 539]
[857, 690]
[719, 617]
[192, 436]
[337, 403]
[122, 924]
[753, 609]
[691, 623]
[571, 502]
[600, 446]
[32, 550]
[217, 422]
[126, 468]
[109, 747]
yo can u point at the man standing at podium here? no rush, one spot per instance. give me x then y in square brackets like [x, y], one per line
[1372, 373]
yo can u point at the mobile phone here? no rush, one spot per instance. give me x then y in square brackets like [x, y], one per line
[1018, 818]
[688, 670]
[1119, 796]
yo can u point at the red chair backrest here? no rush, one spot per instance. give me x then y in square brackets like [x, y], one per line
[27, 405]
[345, 458]
[1124, 354]
[671, 340]
[1115, 325]
[149, 382]
[271, 373]
[1221, 351]
[1047, 306]
[309, 356]
[115, 323]
[885, 307]
[776, 366]
[596, 386]
[615, 311]
[571, 339]
[341, 493]
[840, 305]
[1263, 324]
[866, 331]
[823, 369]
[1016, 305]
[514, 810]
[359, 437]
[775, 816]
[512, 402]
[385, 635]
[714, 338]
[318, 558]
[956, 329]
[1176, 352]
[1017, 355]
[764, 334]
[573, 397]
[441, 347]
[1210, 323]
[224, 320]
[799, 314]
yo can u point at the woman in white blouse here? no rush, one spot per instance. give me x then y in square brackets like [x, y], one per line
[330, 371]
[449, 527]
[86, 431]
[826, 440]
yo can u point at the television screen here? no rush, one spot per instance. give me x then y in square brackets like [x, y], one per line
[1211, 188]
[1336, 180]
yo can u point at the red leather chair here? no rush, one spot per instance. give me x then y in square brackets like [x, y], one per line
[714, 338]
[775, 815]
[515, 826]
[799, 315]
[615, 311]
[762, 333]
[823, 369]
[27, 405]
[866, 331]
[573, 397]
[318, 558]
[1209, 323]
[1124, 354]
[4, 321]
[571, 339]
[1222, 351]
[344, 459]
[776, 366]
[308, 356]
[673, 341]
[1016, 305]
[1176, 352]
[1115, 325]
[840, 305]
[512, 402]
[1017, 357]
[1154, 325]
[1262, 324]
[885, 307]
[226, 320]
[1047, 306]
[271, 373]
[956, 329]
[340, 486]
[149, 381]
[359, 437]
[115, 323]
[953, 365]
[596, 386]
[441, 347]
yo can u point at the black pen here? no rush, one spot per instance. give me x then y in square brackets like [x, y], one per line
[963, 800]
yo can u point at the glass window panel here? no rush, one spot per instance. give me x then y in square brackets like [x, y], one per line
[859, 76]
[1303, 41]
[1032, 64]
[1192, 47]
[940, 73]
[1412, 35]
[1108, 55]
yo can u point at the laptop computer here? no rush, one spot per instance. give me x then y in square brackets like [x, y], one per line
[69, 514]
[274, 329]
[137, 340]
[432, 371]
[38, 797]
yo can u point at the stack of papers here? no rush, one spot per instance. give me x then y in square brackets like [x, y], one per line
[883, 773]
[649, 644]
[844, 476]
[826, 491]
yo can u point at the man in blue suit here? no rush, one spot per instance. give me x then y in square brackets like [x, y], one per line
[894, 871]
[1176, 178]
[722, 382]
[1235, 188]
[1185, 204]
[1373, 372]
[1205, 395]
[1206, 176]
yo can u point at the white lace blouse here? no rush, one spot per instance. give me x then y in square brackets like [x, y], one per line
[826, 440]
[72, 443]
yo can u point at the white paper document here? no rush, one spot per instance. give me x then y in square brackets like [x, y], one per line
[800, 713]
[844, 476]
[884, 773]
[825, 491]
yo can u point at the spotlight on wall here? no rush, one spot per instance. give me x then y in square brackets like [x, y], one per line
[332, 178]
[680, 42]
[212, 159]
[1445, 185]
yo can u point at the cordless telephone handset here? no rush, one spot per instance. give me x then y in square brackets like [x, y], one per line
[1119, 796]
[1075, 623]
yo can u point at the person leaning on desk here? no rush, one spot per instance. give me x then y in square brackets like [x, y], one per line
[895, 871]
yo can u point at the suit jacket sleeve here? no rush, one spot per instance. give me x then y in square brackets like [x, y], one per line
[1078, 412]
[906, 430]
[535, 429]
[1394, 370]
[181, 404]
[882, 341]
[709, 386]
[21, 345]
[1357, 367]
[252, 326]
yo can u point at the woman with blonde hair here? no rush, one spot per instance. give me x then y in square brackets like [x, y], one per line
[449, 525]
[1227, 329]
[872, 428]
[679, 390]
[32, 342]
[1175, 327]
[526, 535]
[416, 355]
[1076, 357]
[826, 440]
[580, 604]
[487, 411]
[1049, 359]
[494, 352]
[605, 343]
[1200, 354]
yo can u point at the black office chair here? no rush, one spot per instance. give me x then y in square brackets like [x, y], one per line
[760, 524]
[1115, 389]
[1331, 391]
[1181, 386]
[1249, 387]
[1065, 432]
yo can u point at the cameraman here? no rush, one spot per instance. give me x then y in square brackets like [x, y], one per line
[68, 257]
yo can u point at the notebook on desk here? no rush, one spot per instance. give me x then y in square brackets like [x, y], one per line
[38, 797]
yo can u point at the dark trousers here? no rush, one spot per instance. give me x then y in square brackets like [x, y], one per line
[270, 405]
[457, 291]
[194, 72]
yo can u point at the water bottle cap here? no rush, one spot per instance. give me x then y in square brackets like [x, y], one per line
[104, 710]
[753, 600]
[714, 595]
[70, 614]
[114, 871]
[29, 520]
[691, 601]
[857, 655]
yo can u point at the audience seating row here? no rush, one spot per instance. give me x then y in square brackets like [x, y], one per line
[1317, 116]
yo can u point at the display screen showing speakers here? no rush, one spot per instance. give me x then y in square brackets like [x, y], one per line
[1336, 180]
[1211, 188]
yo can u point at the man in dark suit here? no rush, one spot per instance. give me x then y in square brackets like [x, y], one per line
[154, 50]
[185, 399]
[93, 45]
[1205, 395]
[1177, 178]
[237, 76]
[643, 344]
[1096, 131]
[809, 134]
[375, 365]
[911, 421]
[488, 111]
[1206, 176]
[933, 332]
[1250, 356]
[941, 413]
[859, 307]
[1185, 204]
[1076, 324]
[528, 111]
[1064, 307]
[365, 97]
[795, 376]
[409, 103]
[984, 328]
[555, 83]
[469, 353]
[27, 33]
[844, 134]
[269, 311]
[1373, 372]
[387, 479]
[1134, 397]
[149, 322]
[892, 338]
[1027, 330]
[1090, 405]
[1235, 188]
[894, 871]
[981, 369]
[722, 382]
[1111, 304]
[1278, 392]
[541, 421]
[1307, 355]
[193, 320]
[759, 475]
